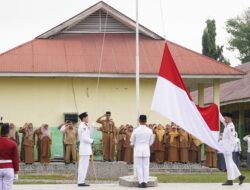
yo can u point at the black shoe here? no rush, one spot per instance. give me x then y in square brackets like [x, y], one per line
[228, 182]
[241, 178]
[140, 185]
[83, 185]
[144, 185]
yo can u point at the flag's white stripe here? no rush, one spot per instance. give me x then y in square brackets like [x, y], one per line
[173, 102]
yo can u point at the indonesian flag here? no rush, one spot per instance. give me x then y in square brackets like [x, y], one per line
[173, 101]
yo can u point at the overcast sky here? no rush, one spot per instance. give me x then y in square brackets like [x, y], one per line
[181, 21]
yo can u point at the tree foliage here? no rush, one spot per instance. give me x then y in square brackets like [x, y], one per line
[239, 28]
[209, 47]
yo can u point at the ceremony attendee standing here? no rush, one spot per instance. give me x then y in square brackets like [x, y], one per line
[173, 147]
[70, 139]
[184, 146]
[211, 157]
[237, 151]
[167, 139]
[142, 138]
[120, 143]
[195, 150]
[128, 149]
[44, 145]
[14, 134]
[247, 139]
[109, 136]
[228, 143]
[28, 142]
[84, 133]
[159, 144]
[9, 164]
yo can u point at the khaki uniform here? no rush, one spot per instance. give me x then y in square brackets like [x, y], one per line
[159, 145]
[195, 150]
[120, 144]
[211, 157]
[43, 146]
[28, 145]
[128, 149]
[173, 153]
[167, 138]
[184, 147]
[70, 140]
[109, 133]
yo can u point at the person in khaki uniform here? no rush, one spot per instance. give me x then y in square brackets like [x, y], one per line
[184, 146]
[120, 143]
[109, 136]
[195, 150]
[173, 153]
[128, 149]
[211, 157]
[28, 142]
[159, 144]
[14, 134]
[44, 146]
[70, 140]
[167, 138]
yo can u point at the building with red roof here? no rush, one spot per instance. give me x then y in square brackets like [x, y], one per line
[87, 63]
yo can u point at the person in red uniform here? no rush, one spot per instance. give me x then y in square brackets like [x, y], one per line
[9, 164]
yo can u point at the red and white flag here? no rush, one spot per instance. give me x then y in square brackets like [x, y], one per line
[173, 101]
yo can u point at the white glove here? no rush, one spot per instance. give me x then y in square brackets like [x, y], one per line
[16, 177]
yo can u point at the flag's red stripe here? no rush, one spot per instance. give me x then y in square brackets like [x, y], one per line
[211, 116]
[170, 72]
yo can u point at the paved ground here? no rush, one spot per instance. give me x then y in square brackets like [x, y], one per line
[169, 186]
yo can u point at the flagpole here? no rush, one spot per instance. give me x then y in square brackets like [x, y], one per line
[137, 58]
[137, 71]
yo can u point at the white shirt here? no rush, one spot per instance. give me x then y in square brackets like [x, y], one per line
[229, 140]
[247, 139]
[237, 147]
[85, 140]
[142, 138]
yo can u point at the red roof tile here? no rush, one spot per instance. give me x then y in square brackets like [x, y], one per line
[80, 53]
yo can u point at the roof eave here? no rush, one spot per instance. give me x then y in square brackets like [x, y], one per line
[101, 5]
[110, 75]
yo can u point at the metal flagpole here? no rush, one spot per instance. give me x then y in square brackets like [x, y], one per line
[137, 66]
[137, 60]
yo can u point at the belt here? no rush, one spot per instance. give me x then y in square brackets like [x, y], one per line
[107, 132]
[5, 161]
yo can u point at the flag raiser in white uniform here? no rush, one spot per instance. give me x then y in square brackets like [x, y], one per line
[84, 151]
[142, 138]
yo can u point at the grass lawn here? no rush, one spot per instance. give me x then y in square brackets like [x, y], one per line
[197, 178]
[218, 177]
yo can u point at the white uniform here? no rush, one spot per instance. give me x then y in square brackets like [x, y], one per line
[142, 138]
[84, 151]
[247, 139]
[228, 143]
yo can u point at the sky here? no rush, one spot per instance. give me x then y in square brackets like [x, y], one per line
[180, 21]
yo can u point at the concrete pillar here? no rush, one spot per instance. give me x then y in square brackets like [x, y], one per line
[216, 97]
[241, 120]
[201, 95]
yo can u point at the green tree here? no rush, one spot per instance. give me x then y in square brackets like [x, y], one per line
[209, 47]
[239, 29]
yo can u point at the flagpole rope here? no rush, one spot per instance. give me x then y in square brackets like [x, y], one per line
[101, 55]
[162, 20]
